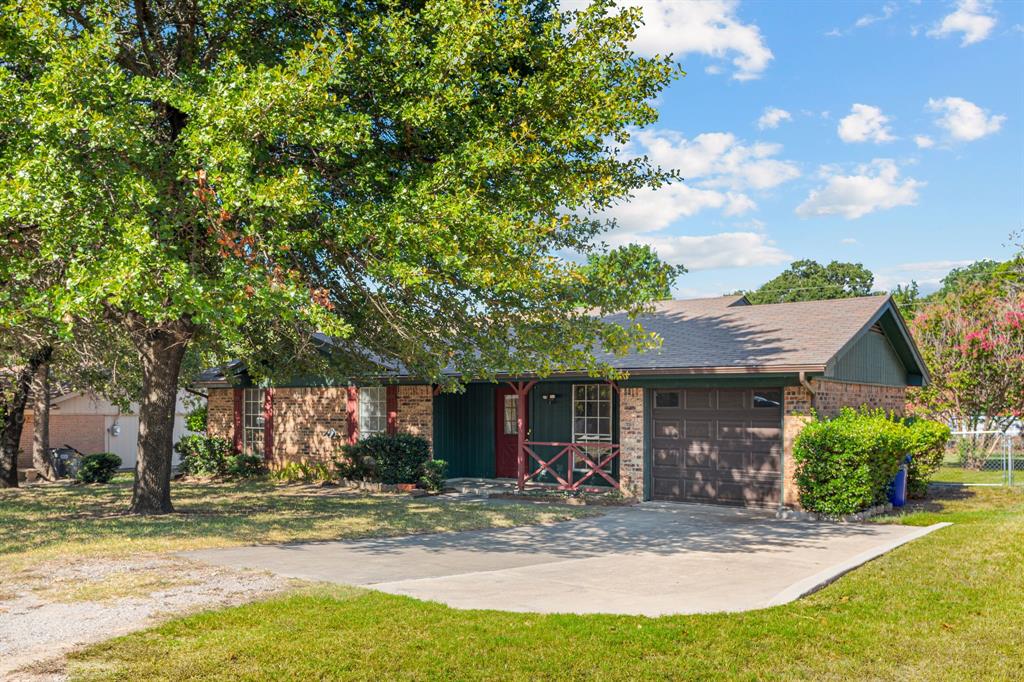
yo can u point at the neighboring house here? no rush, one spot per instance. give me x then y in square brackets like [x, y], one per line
[710, 416]
[90, 424]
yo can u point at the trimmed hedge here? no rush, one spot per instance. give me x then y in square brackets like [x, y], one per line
[98, 468]
[203, 456]
[846, 464]
[398, 458]
[927, 449]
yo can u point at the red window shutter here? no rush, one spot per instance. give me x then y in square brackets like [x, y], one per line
[352, 414]
[392, 406]
[238, 420]
[268, 424]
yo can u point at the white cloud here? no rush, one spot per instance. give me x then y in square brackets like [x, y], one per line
[652, 210]
[973, 18]
[875, 187]
[849, 241]
[715, 159]
[923, 141]
[864, 123]
[928, 274]
[772, 117]
[964, 120]
[723, 250]
[711, 28]
[887, 11]
[834, 33]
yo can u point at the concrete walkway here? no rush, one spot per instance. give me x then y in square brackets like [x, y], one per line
[652, 559]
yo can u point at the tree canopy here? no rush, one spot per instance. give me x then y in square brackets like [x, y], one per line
[414, 179]
[808, 280]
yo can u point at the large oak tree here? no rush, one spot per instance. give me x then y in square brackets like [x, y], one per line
[413, 179]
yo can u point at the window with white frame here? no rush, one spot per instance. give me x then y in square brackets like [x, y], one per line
[591, 421]
[373, 411]
[252, 421]
[511, 414]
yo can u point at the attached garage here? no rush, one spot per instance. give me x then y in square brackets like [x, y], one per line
[716, 445]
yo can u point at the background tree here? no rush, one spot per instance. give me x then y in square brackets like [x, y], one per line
[808, 280]
[234, 175]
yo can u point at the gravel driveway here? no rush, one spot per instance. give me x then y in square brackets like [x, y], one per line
[54, 608]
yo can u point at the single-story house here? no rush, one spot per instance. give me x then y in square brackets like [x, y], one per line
[90, 423]
[710, 416]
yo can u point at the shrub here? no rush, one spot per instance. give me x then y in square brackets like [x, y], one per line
[845, 464]
[435, 471]
[98, 468]
[196, 419]
[927, 449]
[397, 458]
[203, 456]
[304, 472]
[245, 466]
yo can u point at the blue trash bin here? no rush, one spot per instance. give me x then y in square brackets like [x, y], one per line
[898, 487]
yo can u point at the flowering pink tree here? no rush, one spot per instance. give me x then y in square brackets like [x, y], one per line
[973, 343]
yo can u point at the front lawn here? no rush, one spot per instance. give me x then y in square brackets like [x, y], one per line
[957, 474]
[947, 606]
[61, 522]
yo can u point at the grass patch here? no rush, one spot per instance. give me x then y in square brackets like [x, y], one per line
[42, 523]
[956, 474]
[139, 583]
[946, 606]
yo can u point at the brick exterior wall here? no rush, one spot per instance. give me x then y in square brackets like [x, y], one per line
[829, 397]
[220, 413]
[84, 432]
[416, 411]
[311, 423]
[631, 441]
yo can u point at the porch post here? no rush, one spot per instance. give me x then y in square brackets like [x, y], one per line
[522, 389]
[520, 436]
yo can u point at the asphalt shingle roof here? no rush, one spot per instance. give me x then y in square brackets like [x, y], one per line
[726, 332]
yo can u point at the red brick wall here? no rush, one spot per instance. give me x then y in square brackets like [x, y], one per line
[311, 423]
[829, 397]
[84, 432]
[631, 441]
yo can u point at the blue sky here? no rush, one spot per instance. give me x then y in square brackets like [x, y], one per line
[890, 134]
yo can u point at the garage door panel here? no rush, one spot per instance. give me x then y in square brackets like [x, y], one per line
[664, 428]
[699, 399]
[698, 428]
[716, 446]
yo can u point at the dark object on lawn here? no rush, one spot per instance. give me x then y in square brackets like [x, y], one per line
[66, 461]
[99, 467]
[898, 488]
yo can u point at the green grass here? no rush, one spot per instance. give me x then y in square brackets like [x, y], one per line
[41, 523]
[957, 474]
[947, 606]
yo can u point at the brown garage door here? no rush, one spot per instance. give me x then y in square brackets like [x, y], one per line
[717, 445]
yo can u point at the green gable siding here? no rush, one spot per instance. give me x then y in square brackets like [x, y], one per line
[464, 431]
[871, 360]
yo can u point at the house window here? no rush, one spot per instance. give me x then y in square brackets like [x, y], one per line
[772, 399]
[511, 413]
[252, 421]
[373, 411]
[591, 421]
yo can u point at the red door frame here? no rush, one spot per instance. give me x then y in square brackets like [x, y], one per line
[506, 446]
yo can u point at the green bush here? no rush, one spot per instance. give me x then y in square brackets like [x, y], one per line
[397, 458]
[98, 468]
[846, 464]
[435, 471]
[303, 472]
[927, 448]
[203, 456]
[245, 466]
[196, 419]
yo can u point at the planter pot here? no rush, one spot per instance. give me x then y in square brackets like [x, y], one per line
[405, 487]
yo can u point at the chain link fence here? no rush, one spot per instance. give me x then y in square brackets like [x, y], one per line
[983, 458]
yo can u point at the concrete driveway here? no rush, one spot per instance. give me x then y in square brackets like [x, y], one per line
[651, 559]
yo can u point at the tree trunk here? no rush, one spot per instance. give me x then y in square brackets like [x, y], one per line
[12, 419]
[161, 351]
[41, 460]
